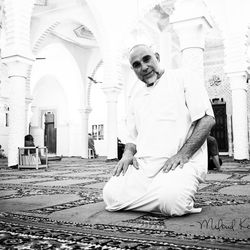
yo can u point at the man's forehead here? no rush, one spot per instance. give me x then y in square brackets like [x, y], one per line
[139, 50]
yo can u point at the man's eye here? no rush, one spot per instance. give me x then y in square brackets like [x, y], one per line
[136, 65]
[146, 59]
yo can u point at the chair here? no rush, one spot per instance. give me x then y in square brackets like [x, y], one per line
[38, 159]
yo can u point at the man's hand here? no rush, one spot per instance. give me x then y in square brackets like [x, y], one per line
[124, 163]
[193, 143]
[175, 161]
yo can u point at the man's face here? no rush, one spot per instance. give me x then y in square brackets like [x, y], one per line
[145, 64]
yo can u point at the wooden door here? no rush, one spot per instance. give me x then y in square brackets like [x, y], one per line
[219, 131]
[50, 133]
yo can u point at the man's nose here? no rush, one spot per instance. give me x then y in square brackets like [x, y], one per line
[144, 66]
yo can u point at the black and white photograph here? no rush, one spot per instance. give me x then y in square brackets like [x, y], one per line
[125, 124]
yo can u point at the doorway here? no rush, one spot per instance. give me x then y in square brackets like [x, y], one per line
[219, 131]
[50, 132]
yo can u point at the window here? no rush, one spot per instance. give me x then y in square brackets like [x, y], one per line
[6, 119]
[6, 109]
[94, 131]
[97, 132]
[100, 132]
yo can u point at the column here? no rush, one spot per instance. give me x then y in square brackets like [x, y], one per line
[236, 67]
[85, 121]
[18, 57]
[238, 83]
[17, 22]
[166, 49]
[113, 81]
[36, 130]
[167, 8]
[111, 131]
[27, 114]
[17, 68]
[192, 42]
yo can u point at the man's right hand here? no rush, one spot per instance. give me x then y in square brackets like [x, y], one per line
[124, 163]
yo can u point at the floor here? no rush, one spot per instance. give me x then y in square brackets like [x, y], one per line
[62, 208]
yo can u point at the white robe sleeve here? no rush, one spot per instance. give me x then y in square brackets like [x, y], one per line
[196, 96]
[131, 131]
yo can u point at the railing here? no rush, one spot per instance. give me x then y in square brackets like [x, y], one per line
[32, 157]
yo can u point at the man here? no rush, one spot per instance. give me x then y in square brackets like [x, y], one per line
[91, 144]
[120, 148]
[165, 156]
[2, 155]
[214, 161]
[29, 142]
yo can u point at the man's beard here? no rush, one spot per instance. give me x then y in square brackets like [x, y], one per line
[155, 77]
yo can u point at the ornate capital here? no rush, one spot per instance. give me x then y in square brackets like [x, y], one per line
[190, 20]
[189, 9]
[238, 80]
[191, 32]
[17, 65]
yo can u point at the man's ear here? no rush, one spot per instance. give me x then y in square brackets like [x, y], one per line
[157, 56]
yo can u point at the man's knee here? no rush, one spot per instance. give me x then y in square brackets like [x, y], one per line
[107, 192]
[175, 202]
[111, 191]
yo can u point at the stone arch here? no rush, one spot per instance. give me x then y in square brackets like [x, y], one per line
[48, 27]
[99, 64]
[50, 96]
[42, 37]
[36, 47]
[75, 88]
[55, 84]
[65, 16]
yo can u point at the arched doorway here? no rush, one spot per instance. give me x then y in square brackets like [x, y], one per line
[50, 132]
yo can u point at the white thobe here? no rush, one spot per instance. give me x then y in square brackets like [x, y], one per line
[160, 119]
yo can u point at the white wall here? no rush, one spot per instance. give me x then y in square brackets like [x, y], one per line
[4, 94]
[49, 96]
[4, 131]
[56, 83]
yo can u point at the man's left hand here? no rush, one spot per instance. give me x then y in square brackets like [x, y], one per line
[173, 162]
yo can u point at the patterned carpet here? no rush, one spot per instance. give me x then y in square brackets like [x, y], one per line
[62, 208]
